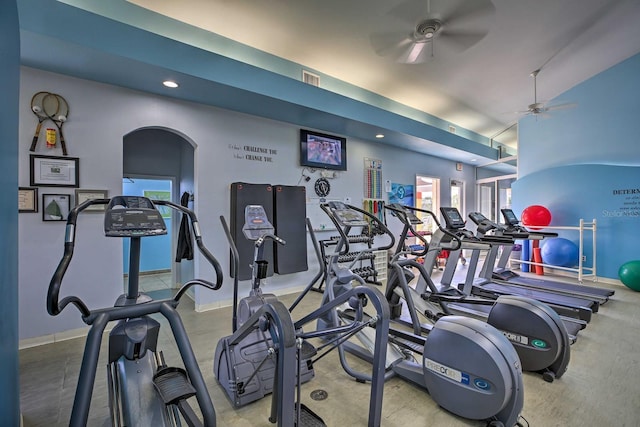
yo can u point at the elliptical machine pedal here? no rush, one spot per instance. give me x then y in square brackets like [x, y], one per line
[173, 385]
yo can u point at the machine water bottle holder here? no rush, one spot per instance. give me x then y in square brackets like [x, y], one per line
[262, 266]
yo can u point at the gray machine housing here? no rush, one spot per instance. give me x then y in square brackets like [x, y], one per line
[235, 364]
[472, 370]
[245, 363]
[541, 339]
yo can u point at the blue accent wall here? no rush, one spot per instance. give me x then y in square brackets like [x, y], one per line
[584, 162]
[155, 252]
[9, 87]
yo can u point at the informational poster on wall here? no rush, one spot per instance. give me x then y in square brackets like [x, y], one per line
[401, 193]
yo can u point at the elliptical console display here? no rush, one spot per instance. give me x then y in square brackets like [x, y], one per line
[128, 216]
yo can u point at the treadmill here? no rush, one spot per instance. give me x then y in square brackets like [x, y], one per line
[441, 239]
[504, 275]
[443, 296]
[564, 305]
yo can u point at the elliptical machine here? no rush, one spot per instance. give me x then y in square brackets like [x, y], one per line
[268, 353]
[535, 330]
[143, 391]
[468, 367]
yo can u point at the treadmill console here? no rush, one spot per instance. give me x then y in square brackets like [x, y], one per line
[452, 218]
[509, 217]
[478, 218]
[347, 216]
[256, 223]
[133, 216]
[484, 224]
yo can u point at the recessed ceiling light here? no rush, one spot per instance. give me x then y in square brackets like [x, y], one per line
[474, 160]
[169, 83]
[379, 135]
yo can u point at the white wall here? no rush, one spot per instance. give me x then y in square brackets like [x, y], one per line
[100, 116]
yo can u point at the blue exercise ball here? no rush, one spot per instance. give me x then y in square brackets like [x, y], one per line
[560, 252]
[629, 274]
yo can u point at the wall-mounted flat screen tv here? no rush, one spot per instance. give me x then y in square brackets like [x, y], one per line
[321, 151]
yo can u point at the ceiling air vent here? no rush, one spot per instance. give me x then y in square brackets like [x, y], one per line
[452, 129]
[310, 78]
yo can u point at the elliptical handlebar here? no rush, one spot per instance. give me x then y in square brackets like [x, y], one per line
[400, 213]
[326, 207]
[260, 241]
[407, 222]
[195, 226]
[55, 305]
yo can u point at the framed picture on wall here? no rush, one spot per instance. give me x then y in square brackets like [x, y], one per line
[27, 199]
[52, 171]
[55, 207]
[83, 195]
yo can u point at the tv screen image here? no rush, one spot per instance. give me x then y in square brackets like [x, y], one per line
[323, 151]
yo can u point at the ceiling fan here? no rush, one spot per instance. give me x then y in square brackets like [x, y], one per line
[448, 26]
[539, 108]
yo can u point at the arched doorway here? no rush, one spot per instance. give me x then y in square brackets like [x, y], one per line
[154, 156]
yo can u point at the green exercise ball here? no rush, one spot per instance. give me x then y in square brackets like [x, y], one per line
[629, 274]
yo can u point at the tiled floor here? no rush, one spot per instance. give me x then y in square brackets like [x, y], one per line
[601, 387]
[149, 282]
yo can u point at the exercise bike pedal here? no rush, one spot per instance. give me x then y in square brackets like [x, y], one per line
[308, 418]
[173, 385]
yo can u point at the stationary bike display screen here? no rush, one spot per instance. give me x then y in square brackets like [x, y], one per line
[256, 223]
[452, 218]
[133, 216]
[509, 217]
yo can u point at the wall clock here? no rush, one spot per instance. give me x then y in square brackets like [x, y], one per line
[322, 187]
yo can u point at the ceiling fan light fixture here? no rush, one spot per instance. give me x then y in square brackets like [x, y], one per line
[427, 29]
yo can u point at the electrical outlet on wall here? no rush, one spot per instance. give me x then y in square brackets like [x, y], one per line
[327, 174]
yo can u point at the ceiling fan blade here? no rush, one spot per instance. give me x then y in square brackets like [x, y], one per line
[467, 12]
[474, 15]
[561, 106]
[390, 44]
[411, 11]
[457, 41]
[417, 53]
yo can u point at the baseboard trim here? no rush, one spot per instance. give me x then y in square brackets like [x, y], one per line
[50, 339]
[58, 337]
[150, 272]
[200, 308]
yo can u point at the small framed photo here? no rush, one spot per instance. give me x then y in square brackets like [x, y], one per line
[55, 207]
[27, 199]
[83, 195]
[52, 171]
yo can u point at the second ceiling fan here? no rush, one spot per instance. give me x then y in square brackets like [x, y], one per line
[540, 108]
